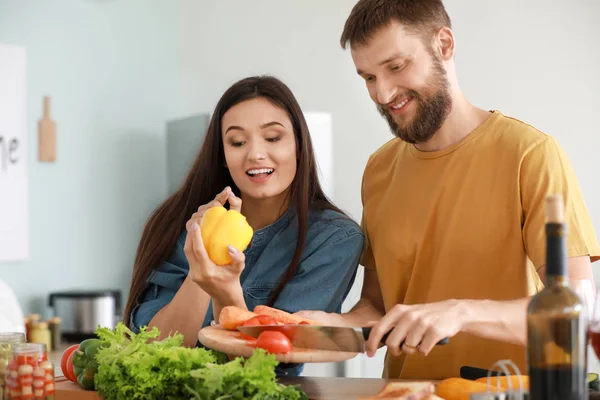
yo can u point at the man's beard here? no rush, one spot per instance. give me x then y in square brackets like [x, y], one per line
[431, 110]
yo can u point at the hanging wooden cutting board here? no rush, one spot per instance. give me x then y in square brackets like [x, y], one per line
[47, 135]
[231, 342]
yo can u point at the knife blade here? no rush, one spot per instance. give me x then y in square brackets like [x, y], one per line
[332, 338]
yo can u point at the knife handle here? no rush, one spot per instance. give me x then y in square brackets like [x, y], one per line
[367, 331]
[473, 373]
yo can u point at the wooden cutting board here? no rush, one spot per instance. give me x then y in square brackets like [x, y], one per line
[67, 390]
[232, 343]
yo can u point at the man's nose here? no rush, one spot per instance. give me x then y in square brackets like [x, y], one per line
[385, 91]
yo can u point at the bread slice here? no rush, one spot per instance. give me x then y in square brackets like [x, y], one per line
[405, 391]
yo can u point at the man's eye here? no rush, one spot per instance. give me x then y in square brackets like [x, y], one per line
[397, 68]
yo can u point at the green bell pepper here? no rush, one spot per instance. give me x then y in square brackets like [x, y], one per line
[84, 363]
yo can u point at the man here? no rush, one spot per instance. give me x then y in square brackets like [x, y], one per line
[453, 207]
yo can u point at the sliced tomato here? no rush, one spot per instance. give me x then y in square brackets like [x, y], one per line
[64, 358]
[70, 375]
[274, 342]
[258, 320]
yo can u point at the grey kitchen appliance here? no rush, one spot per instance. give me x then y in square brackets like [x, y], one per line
[81, 311]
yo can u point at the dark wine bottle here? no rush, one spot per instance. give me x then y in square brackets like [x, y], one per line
[557, 333]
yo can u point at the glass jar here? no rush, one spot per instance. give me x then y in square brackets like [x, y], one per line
[30, 374]
[31, 320]
[40, 333]
[7, 341]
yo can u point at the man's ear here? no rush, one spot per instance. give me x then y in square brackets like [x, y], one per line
[444, 43]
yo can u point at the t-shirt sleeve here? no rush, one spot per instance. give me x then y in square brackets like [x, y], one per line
[367, 258]
[546, 170]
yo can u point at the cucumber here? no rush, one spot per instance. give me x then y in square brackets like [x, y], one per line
[593, 381]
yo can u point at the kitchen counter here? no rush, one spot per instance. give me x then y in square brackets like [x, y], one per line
[318, 388]
[315, 388]
[55, 355]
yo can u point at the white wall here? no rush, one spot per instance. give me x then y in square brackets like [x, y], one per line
[118, 70]
[111, 68]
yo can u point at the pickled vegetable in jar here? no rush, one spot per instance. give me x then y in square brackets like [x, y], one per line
[7, 341]
[30, 376]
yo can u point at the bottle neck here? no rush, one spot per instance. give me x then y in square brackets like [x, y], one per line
[557, 280]
[556, 253]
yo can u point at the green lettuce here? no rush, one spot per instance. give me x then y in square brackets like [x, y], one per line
[131, 366]
[138, 367]
[253, 379]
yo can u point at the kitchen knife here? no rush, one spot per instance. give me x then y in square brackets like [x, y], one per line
[473, 373]
[332, 338]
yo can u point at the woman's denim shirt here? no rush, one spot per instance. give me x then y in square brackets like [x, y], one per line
[322, 280]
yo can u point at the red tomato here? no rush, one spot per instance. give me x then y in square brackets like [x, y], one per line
[258, 320]
[274, 342]
[64, 358]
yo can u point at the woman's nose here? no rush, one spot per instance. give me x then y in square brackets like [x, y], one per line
[257, 152]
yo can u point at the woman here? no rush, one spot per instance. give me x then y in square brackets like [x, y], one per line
[257, 158]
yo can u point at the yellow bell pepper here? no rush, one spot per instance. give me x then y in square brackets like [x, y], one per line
[220, 228]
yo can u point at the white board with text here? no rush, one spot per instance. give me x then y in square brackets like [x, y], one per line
[14, 204]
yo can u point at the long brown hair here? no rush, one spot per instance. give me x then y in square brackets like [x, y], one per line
[208, 176]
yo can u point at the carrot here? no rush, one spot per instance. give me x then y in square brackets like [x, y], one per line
[283, 316]
[231, 317]
[458, 388]
[503, 381]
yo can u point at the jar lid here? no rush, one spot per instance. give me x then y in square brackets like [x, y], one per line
[34, 317]
[25, 349]
[12, 337]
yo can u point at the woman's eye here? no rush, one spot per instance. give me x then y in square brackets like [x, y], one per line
[237, 144]
[273, 139]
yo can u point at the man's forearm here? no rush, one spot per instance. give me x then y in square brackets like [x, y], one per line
[363, 313]
[499, 320]
[507, 320]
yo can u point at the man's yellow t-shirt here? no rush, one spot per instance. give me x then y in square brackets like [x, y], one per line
[467, 222]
